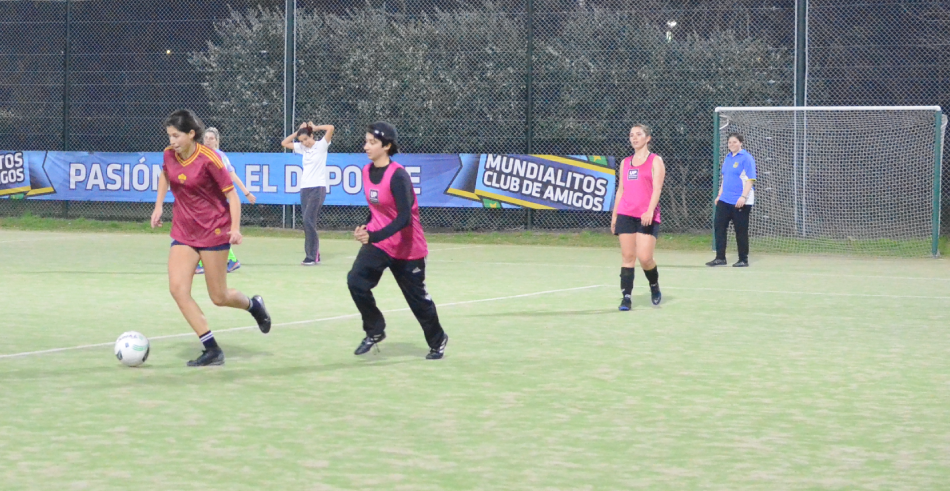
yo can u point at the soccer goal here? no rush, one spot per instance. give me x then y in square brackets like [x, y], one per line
[857, 180]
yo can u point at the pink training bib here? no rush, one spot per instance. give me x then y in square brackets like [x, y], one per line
[637, 189]
[410, 242]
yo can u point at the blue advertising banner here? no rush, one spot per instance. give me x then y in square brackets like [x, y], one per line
[439, 180]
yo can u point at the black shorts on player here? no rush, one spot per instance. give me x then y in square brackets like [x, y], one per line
[629, 225]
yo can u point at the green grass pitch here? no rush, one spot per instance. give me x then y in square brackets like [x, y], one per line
[798, 373]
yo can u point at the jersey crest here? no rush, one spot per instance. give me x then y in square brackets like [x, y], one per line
[633, 174]
[374, 196]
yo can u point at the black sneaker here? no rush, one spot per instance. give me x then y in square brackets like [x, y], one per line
[209, 357]
[368, 343]
[742, 263]
[655, 295]
[261, 316]
[439, 351]
[716, 262]
[308, 262]
[625, 304]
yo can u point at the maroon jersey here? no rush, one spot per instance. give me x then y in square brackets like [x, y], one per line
[201, 216]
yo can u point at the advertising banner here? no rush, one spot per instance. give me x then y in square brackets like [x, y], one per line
[439, 180]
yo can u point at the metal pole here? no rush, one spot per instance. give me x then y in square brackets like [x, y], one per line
[715, 173]
[938, 157]
[801, 99]
[529, 94]
[66, 50]
[801, 51]
[290, 64]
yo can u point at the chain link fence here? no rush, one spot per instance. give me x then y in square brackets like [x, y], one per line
[504, 76]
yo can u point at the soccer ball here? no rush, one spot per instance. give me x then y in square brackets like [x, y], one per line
[132, 349]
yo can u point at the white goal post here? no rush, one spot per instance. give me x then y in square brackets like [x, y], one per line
[840, 179]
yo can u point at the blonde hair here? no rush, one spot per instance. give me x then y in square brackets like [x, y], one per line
[646, 131]
[217, 134]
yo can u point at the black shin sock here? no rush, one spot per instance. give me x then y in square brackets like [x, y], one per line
[626, 281]
[652, 275]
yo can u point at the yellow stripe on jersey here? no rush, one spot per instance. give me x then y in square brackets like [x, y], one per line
[212, 155]
[227, 188]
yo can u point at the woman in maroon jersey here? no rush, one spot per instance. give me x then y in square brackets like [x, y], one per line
[206, 220]
[393, 239]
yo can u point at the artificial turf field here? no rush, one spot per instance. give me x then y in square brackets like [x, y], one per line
[797, 373]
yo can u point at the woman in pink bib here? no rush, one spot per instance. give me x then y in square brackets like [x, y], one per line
[636, 217]
[392, 239]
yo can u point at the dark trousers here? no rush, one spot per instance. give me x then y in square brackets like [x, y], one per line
[368, 268]
[740, 219]
[311, 200]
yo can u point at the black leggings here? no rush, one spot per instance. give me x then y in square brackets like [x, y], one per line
[367, 270]
[740, 219]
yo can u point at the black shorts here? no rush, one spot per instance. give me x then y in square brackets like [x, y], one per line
[222, 247]
[629, 225]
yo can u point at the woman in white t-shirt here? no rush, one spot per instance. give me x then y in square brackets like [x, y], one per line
[313, 182]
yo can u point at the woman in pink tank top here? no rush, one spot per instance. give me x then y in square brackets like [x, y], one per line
[392, 239]
[636, 217]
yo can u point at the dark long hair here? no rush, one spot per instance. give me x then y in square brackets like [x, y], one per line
[184, 120]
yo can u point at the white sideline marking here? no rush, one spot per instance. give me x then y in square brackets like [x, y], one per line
[746, 271]
[827, 294]
[324, 319]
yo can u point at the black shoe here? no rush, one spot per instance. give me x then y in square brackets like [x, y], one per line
[625, 304]
[439, 351]
[742, 263]
[261, 315]
[716, 262]
[655, 295]
[209, 357]
[308, 262]
[368, 343]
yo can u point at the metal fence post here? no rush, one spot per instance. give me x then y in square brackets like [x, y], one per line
[529, 96]
[290, 66]
[66, 50]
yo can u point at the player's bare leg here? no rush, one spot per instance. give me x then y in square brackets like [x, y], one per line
[216, 279]
[182, 260]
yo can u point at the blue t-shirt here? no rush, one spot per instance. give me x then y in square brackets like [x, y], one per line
[736, 169]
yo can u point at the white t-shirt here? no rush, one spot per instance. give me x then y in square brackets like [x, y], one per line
[314, 163]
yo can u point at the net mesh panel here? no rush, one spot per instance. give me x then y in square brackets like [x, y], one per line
[881, 53]
[854, 181]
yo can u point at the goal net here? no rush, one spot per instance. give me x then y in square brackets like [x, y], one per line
[857, 180]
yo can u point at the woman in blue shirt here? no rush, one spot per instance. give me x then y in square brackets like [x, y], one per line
[734, 201]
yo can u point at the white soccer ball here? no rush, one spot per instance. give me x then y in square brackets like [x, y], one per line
[132, 348]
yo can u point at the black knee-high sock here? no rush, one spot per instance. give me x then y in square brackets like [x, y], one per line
[626, 281]
[652, 276]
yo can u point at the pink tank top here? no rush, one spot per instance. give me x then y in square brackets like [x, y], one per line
[410, 242]
[637, 189]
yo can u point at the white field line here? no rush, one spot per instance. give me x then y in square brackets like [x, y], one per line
[745, 271]
[294, 323]
[825, 294]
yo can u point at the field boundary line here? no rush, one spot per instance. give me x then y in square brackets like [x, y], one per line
[296, 323]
